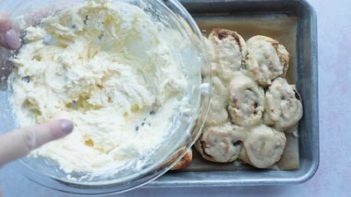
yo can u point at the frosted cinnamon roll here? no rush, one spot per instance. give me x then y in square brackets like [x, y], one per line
[221, 144]
[283, 105]
[246, 101]
[264, 146]
[267, 59]
[229, 50]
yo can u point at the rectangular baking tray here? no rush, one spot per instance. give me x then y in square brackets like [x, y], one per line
[270, 17]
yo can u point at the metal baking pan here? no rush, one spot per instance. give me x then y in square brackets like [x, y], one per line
[293, 22]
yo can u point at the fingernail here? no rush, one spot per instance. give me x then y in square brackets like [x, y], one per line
[66, 126]
[12, 39]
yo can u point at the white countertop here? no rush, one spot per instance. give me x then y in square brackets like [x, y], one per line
[334, 173]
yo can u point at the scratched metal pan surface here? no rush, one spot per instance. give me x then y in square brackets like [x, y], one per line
[293, 22]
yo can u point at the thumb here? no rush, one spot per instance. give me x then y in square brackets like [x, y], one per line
[20, 142]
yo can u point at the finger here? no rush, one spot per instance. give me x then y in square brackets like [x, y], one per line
[20, 142]
[9, 35]
[5, 23]
[10, 39]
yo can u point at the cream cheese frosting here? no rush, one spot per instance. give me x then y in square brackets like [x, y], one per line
[105, 67]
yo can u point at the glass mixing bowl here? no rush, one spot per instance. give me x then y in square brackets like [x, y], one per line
[186, 128]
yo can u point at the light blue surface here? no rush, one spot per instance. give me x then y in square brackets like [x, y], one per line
[333, 176]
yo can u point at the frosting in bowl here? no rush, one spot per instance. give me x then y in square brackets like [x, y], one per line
[107, 68]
